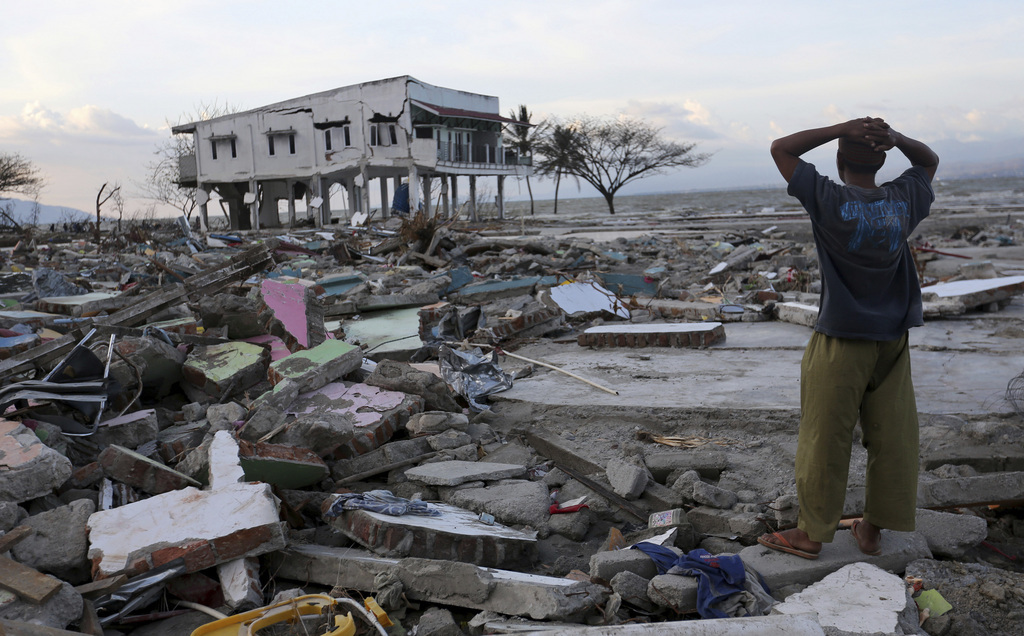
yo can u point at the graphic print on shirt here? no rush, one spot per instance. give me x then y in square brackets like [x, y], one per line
[879, 224]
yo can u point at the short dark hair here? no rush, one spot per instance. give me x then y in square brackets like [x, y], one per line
[858, 157]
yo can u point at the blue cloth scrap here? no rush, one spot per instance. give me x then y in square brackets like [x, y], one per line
[382, 501]
[718, 576]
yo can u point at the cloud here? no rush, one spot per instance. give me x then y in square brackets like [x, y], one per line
[36, 124]
[688, 120]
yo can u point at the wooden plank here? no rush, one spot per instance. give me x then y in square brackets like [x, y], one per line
[28, 583]
[14, 536]
[96, 589]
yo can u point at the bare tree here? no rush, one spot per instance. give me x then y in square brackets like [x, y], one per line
[119, 206]
[100, 200]
[163, 179]
[608, 154]
[18, 174]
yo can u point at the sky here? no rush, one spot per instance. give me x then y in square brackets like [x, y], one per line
[87, 89]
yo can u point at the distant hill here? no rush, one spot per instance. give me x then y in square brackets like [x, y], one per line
[24, 213]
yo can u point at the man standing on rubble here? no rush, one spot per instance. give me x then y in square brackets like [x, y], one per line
[857, 363]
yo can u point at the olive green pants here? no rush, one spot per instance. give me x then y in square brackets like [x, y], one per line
[842, 380]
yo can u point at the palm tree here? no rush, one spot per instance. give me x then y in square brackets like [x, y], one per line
[522, 137]
[557, 150]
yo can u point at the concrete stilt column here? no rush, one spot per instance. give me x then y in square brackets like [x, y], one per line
[501, 196]
[385, 205]
[325, 209]
[254, 207]
[426, 194]
[353, 200]
[455, 194]
[291, 202]
[364, 189]
[444, 196]
[414, 190]
[316, 189]
[472, 197]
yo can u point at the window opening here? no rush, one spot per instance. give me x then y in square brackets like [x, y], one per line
[291, 144]
[213, 148]
[327, 139]
[270, 144]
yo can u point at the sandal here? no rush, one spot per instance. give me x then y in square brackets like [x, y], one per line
[782, 545]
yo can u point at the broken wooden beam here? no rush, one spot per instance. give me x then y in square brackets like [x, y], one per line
[28, 583]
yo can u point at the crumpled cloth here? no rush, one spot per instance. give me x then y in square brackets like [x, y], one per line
[724, 589]
[381, 501]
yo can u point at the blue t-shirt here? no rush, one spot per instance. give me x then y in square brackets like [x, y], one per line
[869, 286]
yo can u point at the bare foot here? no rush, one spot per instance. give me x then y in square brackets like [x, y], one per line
[868, 537]
[794, 541]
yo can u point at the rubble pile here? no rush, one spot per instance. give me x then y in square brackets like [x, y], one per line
[208, 428]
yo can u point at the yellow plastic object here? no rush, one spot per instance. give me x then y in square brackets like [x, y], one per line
[377, 611]
[250, 623]
[932, 601]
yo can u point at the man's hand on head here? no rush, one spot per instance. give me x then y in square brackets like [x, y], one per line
[878, 134]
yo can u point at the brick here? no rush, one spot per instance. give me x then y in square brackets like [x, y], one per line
[141, 472]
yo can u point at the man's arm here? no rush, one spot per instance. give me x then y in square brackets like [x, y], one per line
[786, 151]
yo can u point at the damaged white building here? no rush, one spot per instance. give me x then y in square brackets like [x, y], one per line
[260, 161]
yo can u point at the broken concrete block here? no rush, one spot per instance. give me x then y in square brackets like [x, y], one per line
[58, 542]
[438, 621]
[711, 495]
[203, 526]
[139, 471]
[399, 376]
[296, 304]
[449, 440]
[225, 466]
[434, 422]
[859, 598]
[386, 334]
[628, 479]
[17, 344]
[702, 334]
[232, 366]
[57, 612]
[224, 416]
[240, 583]
[446, 582]
[708, 520]
[632, 588]
[130, 430]
[678, 593]
[797, 313]
[453, 473]
[605, 565]
[278, 349]
[239, 314]
[524, 502]
[11, 515]
[456, 535]
[780, 569]
[315, 367]
[30, 468]
[975, 490]
[950, 535]
[159, 362]
[587, 298]
[366, 416]
[571, 525]
[709, 464]
[280, 465]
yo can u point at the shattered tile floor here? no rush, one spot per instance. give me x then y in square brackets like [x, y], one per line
[470, 424]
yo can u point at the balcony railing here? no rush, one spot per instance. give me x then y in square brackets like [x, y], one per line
[479, 153]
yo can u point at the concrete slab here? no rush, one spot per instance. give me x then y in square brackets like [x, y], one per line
[780, 569]
[859, 598]
[686, 334]
[280, 465]
[317, 366]
[34, 319]
[295, 304]
[81, 305]
[14, 345]
[446, 582]
[278, 349]
[800, 625]
[453, 473]
[978, 292]
[232, 365]
[205, 527]
[385, 332]
[758, 368]
[376, 414]
[797, 314]
[586, 298]
[457, 535]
